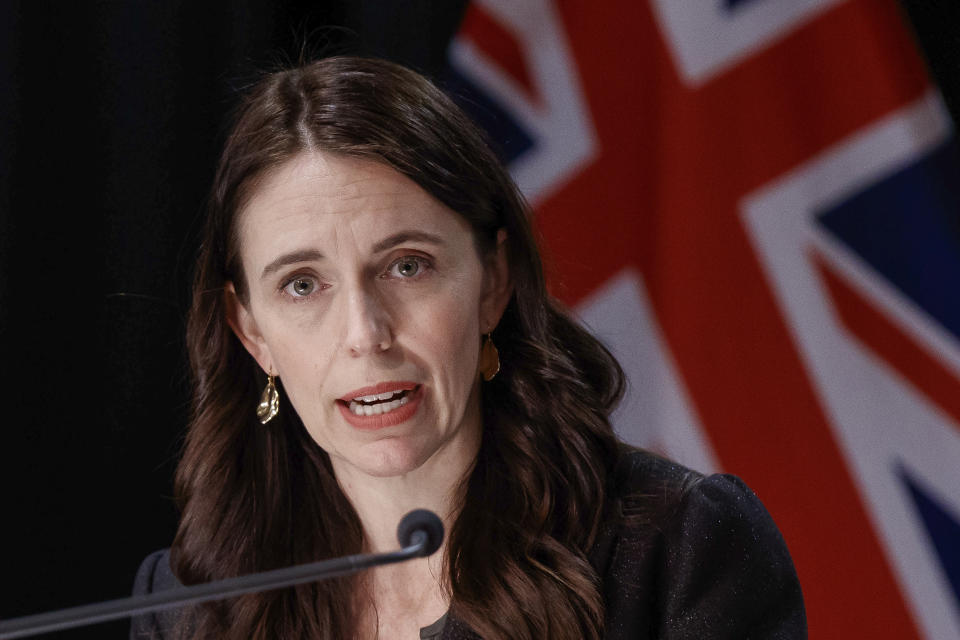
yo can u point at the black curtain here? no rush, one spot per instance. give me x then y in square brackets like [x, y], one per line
[111, 116]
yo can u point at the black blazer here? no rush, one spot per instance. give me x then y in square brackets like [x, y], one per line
[684, 557]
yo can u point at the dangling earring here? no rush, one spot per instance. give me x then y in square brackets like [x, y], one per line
[489, 359]
[269, 401]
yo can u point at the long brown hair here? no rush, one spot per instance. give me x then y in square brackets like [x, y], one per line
[257, 497]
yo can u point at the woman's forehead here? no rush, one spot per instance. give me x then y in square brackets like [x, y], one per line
[327, 198]
[319, 177]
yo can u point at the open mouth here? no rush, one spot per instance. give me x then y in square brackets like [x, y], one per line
[379, 403]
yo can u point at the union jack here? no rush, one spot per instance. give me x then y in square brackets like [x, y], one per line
[754, 204]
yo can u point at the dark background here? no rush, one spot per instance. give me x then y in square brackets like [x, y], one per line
[111, 118]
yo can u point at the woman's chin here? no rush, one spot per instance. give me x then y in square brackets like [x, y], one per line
[387, 458]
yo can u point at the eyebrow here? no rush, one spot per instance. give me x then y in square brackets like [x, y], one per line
[406, 236]
[304, 255]
[308, 255]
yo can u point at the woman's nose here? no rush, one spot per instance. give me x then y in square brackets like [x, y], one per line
[369, 328]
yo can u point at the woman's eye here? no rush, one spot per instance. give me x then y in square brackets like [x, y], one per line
[300, 287]
[408, 267]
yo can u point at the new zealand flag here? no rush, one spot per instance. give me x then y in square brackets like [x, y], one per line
[755, 204]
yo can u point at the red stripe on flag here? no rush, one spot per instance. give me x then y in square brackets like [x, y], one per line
[498, 42]
[927, 374]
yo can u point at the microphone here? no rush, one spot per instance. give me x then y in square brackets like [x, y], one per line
[420, 534]
[420, 527]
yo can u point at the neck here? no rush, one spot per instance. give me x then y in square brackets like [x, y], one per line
[405, 597]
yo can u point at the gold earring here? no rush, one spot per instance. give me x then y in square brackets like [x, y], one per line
[489, 359]
[269, 402]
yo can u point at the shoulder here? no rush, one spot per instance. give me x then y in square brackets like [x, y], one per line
[644, 474]
[663, 499]
[154, 574]
[697, 556]
[646, 492]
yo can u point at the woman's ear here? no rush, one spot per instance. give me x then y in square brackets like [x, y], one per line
[497, 285]
[245, 327]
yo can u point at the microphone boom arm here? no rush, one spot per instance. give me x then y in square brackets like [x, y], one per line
[83, 615]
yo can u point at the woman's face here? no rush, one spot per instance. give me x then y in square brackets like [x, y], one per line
[367, 299]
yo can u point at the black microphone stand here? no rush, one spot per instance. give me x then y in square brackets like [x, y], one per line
[417, 533]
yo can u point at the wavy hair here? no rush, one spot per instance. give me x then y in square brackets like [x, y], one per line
[257, 497]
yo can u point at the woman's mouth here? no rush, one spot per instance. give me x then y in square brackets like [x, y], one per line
[383, 405]
[379, 403]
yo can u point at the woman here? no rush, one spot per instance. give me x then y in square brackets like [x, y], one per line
[369, 272]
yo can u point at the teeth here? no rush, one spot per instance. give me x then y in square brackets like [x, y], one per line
[377, 397]
[376, 409]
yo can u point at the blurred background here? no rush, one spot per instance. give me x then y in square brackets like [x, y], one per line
[755, 203]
